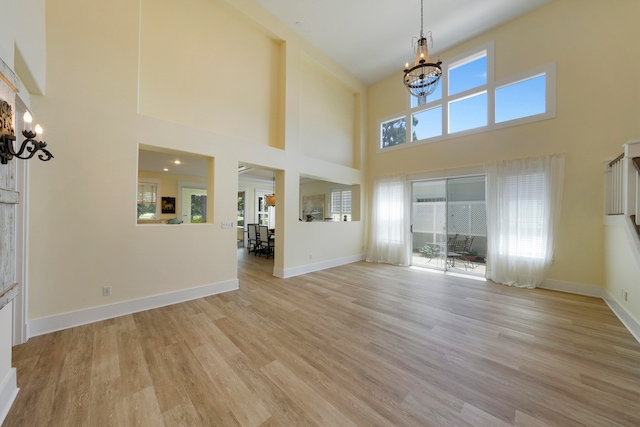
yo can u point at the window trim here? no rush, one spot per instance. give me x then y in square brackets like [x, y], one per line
[549, 70]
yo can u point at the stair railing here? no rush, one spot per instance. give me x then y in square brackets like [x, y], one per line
[623, 183]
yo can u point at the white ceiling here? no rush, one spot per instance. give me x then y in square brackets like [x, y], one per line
[196, 166]
[191, 165]
[373, 39]
[156, 161]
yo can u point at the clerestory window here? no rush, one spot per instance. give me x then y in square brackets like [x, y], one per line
[469, 100]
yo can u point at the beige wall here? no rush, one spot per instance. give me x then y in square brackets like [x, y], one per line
[327, 115]
[596, 113]
[190, 61]
[124, 73]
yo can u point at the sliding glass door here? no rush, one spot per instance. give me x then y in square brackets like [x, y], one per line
[429, 220]
[449, 224]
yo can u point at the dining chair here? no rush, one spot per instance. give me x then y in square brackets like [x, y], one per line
[266, 240]
[252, 238]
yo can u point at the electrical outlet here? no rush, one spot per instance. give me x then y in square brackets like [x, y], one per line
[106, 291]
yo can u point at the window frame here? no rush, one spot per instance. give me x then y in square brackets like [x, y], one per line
[149, 181]
[549, 70]
[342, 211]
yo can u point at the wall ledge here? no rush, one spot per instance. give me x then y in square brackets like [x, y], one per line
[8, 392]
[310, 268]
[72, 319]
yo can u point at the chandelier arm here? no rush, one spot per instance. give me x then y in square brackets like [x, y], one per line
[45, 156]
[31, 146]
[28, 148]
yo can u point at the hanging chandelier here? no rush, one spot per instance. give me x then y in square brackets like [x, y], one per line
[422, 78]
[270, 199]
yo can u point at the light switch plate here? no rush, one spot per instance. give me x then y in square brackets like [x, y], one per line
[227, 224]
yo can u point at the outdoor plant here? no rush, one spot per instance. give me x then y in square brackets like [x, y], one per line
[430, 251]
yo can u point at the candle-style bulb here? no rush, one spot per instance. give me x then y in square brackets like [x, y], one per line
[39, 130]
[27, 117]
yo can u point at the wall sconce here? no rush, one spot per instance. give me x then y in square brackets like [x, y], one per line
[29, 147]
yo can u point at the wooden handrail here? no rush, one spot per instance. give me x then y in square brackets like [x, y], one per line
[616, 160]
[636, 163]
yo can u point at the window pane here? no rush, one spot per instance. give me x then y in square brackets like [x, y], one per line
[341, 202]
[468, 113]
[427, 124]
[335, 202]
[346, 202]
[527, 236]
[198, 208]
[393, 132]
[240, 208]
[522, 99]
[147, 196]
[467, 76]
[147, 193]
[437, 94]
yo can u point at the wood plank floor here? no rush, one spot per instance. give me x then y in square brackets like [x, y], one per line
[358, 345]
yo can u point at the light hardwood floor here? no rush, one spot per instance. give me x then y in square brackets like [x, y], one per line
[358, 345]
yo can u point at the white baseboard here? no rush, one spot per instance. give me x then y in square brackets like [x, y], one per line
[310, 268]
[631, 323]
[62, 321]
[573, 288]
[8, 392]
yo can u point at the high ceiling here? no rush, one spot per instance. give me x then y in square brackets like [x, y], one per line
[372, 39]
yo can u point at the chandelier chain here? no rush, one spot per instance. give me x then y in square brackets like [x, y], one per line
[421, 18]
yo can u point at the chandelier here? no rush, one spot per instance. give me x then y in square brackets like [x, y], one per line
[270, 199]
[422, 78]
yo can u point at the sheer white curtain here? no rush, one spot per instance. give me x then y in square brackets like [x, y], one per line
[523, 211]
[390, 221]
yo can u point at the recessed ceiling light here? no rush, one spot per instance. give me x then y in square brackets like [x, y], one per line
[177, 162]
[165, 169]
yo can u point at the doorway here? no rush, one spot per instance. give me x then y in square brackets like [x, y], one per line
[449, 224]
